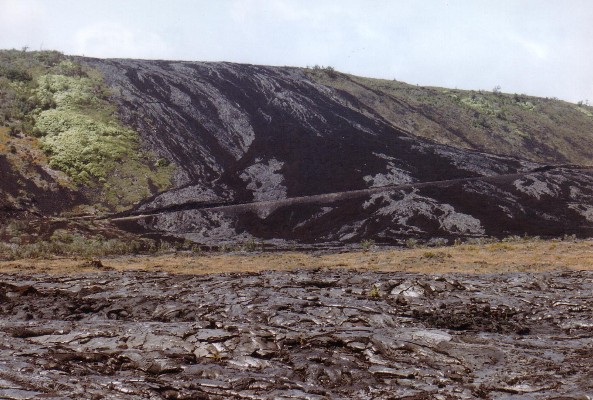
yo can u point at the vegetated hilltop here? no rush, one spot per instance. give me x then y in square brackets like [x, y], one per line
[289, 154]
[532, 128]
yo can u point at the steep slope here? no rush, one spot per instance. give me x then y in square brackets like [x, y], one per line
[244, 133]
[27, 182]
[260, 133]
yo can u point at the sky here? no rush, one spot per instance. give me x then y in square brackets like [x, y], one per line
[537, 47]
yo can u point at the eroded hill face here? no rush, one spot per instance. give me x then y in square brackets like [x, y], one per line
[285, 154]
[264, 133]
[320, 163]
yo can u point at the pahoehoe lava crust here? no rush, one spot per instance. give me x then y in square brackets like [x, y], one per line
[307, 334]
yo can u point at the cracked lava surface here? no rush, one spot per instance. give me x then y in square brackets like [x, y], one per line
[301, 334]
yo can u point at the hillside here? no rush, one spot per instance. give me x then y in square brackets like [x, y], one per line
[221, 152]
[63, 146]
[532, 128]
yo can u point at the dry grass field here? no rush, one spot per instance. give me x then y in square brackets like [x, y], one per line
[499, 257]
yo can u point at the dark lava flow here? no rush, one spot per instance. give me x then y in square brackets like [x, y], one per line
[277, 139]
[307, 334]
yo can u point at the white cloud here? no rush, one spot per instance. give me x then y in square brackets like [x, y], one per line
[284, 11]
[540, 47]
[21, 23]
[539, 50]
[20, 13]
[114, 40]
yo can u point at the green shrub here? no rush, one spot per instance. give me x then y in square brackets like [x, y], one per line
[439, 256]
[328, 70]
[65, 243]
[411, 243]
[162, 162]
[82, 137]
[65, 104]
[438, 242]
[430, 254]
[14, 74]
[81, 146]
[367, 244]
[569, 238]
[374, 292]
[250, 245]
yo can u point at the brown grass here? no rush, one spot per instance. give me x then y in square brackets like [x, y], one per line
[532, 256]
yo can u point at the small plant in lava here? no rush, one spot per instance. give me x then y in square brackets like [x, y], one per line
[367, 244]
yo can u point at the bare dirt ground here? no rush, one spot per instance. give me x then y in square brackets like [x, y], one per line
[429, 325]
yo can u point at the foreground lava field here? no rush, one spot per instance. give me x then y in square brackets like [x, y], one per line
[492, 321]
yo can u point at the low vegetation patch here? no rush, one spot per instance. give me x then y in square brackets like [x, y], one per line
[66, 105]
[537, 129]
[73, 244]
